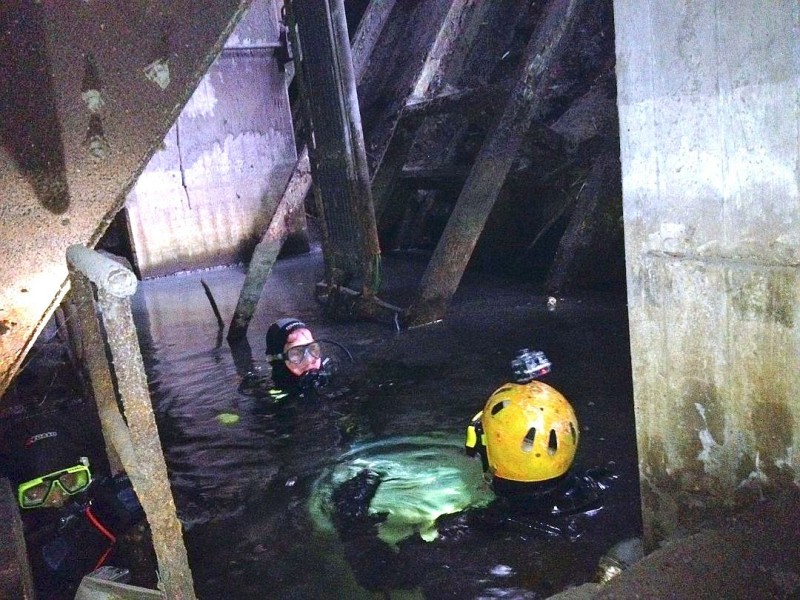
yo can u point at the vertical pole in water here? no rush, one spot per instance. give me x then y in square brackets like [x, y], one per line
[338, 156]
[267, 250]
[134, 438]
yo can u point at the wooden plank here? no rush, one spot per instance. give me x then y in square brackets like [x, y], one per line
[267, 250]
[467, 102]
[444, 178]
[367, 33]
[594, 229]
[453, 31]
[527, 102]
[451, 34]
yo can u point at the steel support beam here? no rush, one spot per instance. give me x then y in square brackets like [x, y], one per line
[134, 437]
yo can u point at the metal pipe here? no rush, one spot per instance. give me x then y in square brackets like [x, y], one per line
[133, 438]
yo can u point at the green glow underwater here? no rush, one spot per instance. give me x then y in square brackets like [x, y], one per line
[422, 478]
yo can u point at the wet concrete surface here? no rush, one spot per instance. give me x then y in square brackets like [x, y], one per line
[753, 554]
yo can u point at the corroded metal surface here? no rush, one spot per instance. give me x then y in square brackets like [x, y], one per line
[132, 440]
[90, 89]
[267, 250]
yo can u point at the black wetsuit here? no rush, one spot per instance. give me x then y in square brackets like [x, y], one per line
[554, 509]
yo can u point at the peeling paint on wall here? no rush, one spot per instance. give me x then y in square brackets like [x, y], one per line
[203, 101]
[239, 156]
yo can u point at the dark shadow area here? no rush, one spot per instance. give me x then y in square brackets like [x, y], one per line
[30, 129]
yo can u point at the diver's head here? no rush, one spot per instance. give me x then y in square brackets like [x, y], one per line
[292, 351]
[528, 433]
[45, 461]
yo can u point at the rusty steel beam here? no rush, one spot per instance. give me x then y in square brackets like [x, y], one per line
[488, 174]
[134, 437]
[338, 156]
[89, 91]
[292, 199]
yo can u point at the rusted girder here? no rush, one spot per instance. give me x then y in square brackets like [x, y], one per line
[134, 438]
[267, 250]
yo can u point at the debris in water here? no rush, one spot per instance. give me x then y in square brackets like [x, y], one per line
[228, 418]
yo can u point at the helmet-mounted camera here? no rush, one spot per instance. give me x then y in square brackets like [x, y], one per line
[528, 365]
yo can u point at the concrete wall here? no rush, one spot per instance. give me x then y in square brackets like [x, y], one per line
[206, 196]
[709, 119]
[87, 91]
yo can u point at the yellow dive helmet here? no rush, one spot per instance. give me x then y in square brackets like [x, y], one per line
[529, 431]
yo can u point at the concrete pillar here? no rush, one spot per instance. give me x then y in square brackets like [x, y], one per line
[709, 120]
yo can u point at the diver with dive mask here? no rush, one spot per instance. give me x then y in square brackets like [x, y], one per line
[73, 512]
[527, 436]
[298, 365]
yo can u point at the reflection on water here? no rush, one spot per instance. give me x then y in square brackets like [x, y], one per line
[251, 477]
[421, 478]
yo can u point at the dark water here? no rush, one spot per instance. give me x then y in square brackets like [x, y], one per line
[251, 491]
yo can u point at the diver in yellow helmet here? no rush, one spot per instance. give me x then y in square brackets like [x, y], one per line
[527, 437]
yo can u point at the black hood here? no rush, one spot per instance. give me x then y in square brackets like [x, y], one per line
[37, 446]
[277, 334]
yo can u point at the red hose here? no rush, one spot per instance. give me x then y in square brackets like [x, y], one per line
[101, 528]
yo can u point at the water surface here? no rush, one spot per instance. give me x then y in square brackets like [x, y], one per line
[250, 478]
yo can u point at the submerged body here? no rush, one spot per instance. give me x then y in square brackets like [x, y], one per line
[526, 437]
